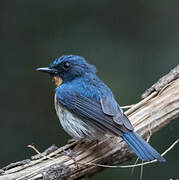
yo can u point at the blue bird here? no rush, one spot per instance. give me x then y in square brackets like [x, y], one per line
[86, 107]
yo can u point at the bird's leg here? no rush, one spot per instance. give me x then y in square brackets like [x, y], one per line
[97, 141]
[70, 154]
[79, 143]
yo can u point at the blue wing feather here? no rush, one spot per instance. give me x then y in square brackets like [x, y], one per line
[89, 110]
[111, 107]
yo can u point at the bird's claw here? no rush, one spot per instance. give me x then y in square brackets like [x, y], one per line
[72, 155]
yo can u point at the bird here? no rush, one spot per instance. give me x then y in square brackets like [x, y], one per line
[87, 109]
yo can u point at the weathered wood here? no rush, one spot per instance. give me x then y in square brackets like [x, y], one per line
[159, 108]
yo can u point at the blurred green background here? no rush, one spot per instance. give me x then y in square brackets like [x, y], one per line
[133, 44]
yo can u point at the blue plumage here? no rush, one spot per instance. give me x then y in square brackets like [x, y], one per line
[86, 107]
[143, 150]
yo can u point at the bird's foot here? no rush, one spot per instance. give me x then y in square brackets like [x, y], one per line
[72, 155]
[80, 143]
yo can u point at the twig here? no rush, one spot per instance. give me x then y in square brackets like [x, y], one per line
[135, 165]
[127, 106]
[38, 152]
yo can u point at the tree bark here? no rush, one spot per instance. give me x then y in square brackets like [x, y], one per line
[158, 108]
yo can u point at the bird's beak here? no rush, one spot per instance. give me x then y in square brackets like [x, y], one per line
[48, 70]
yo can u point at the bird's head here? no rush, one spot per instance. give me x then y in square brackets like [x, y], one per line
[67, 68]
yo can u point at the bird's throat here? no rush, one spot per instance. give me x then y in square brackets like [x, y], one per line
[58, 80]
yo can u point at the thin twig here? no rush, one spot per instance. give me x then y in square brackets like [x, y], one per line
[127, 106]
[38, 152]
[135, 165]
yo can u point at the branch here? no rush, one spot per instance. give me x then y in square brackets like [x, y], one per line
[158, 108]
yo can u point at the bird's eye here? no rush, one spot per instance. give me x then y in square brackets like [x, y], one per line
[66, 65]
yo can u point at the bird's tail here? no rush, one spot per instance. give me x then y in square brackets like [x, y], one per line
[143, 150]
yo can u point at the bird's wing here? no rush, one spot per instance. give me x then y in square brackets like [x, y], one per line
[93, 111]
[112, 108]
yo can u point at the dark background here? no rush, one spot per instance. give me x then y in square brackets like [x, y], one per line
[133, 44]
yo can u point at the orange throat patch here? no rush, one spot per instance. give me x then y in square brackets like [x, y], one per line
[58, 80]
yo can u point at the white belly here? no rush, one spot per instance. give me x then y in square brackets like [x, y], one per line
[74, 126]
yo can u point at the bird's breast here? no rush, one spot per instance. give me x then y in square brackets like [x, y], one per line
[73, 125]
